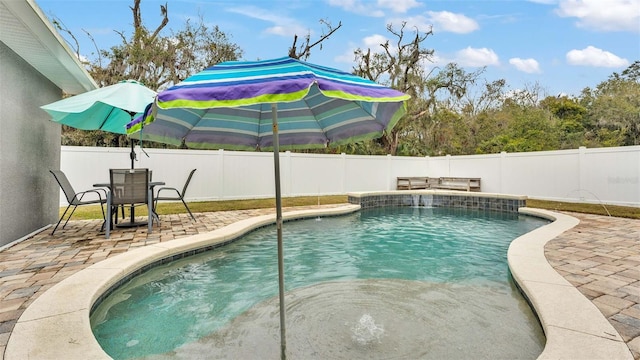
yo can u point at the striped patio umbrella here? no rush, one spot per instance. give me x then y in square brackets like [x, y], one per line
[270, 104]
[228, 106]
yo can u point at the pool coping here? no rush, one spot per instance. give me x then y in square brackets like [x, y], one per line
[56, 324]
[574, 327]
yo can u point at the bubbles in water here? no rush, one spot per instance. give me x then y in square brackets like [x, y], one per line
[365, 331]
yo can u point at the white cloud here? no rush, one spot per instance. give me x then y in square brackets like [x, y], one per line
[477, 57]
[530, 66]
[370, 42]
[609, 15]
[368, 8]
[450, 22]
[347, 57]
[282, 25]
[592, 56]
[373, 42]
[398, 6]
[287, 30]
[357, 6]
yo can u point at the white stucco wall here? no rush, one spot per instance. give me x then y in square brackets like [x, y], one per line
[29, 147]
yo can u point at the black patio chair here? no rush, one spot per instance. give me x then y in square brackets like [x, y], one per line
[76, 199]
[178, 195]
[129, 187]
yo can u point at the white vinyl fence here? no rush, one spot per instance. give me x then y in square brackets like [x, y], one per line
[603, 175]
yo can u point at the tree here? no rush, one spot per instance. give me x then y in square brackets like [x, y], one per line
[152, 58]
[160, 61]
[526, 128]
[399, 67]
[614, 105]
[513, 120]
[403, 66]
[478, 109]
[571, 120]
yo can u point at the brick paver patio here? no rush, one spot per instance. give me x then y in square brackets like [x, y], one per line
[600, 256]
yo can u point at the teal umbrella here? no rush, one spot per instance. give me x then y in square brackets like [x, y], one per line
[249, 105]
[109, 108]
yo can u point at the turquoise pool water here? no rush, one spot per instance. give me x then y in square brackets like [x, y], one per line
[381, 283]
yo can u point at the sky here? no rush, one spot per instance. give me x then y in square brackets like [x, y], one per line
[561, 46]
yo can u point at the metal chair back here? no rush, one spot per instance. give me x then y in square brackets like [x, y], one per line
[161, 194]
[129, 186]
[186, 184]
[75, 199]
[66, 186]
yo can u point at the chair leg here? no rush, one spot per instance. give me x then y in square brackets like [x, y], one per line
[70, 215]
[114, 215]
[150, 212]
[62, 217]
[109, 213]
[115, 212]
[104, 217]
[187, 207]
[155, 206]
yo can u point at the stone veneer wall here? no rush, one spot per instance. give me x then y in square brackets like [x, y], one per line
[462, 200]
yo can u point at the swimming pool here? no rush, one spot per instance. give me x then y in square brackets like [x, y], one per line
[411, 283]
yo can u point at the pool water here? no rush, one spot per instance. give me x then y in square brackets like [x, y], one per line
[381, 283]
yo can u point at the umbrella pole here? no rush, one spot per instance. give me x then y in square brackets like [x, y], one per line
[276, 164]
[132, 155]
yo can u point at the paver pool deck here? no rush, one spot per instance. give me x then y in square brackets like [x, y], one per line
[600, 257]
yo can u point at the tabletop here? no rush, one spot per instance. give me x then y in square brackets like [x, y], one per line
[151, 184]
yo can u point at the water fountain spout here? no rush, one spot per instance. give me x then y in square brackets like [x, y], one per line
[366, 330]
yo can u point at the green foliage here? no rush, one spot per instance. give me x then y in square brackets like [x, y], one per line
[371, 147]
[604, 137]
[527, 129]
[158, 59]
[614, 106]
[572, 121]
[162, 57]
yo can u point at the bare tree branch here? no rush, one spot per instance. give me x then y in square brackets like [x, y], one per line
[93, 41]
[62, 27]
[305, 50]
[165, 21]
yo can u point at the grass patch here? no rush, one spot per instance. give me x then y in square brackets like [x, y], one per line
[91, 212]
[165, 208]
[598, 209]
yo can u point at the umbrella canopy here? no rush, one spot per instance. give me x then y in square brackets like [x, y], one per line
[261, 104]
[228, 106]
[109, 108]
